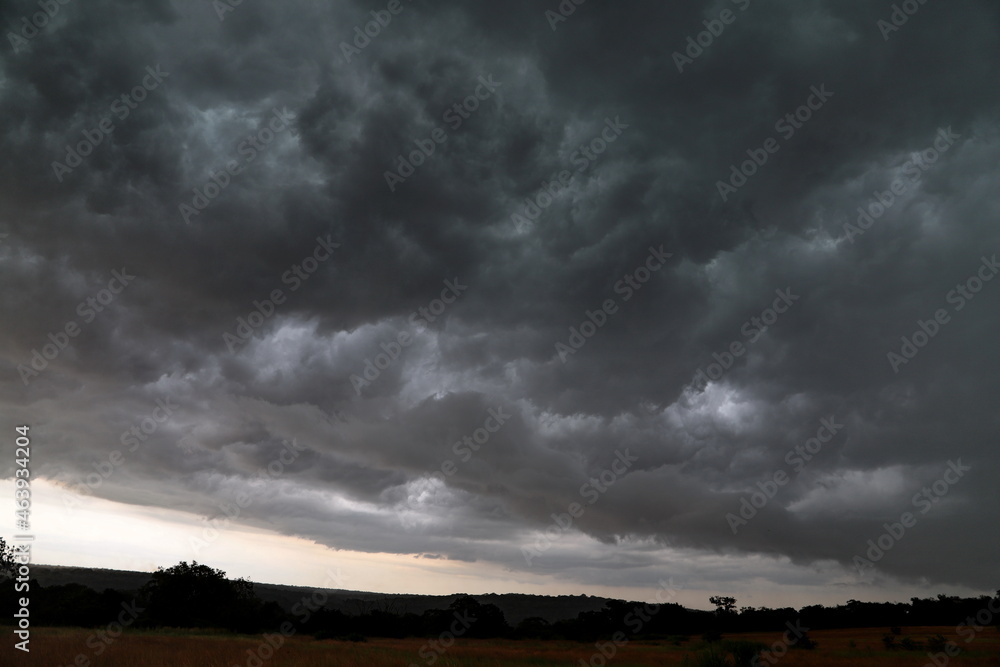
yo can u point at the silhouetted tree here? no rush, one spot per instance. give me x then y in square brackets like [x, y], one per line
[490, 621]
[724, 604]
[199, 596]
[8, 568]
[725, 612]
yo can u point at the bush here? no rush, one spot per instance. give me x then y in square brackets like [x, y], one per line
[713, 656]
[198, 596]
[805, 642]
[936, 643]
[889, 641]
[711, 636]
[909, 644]
[732, 653]
[743, 652]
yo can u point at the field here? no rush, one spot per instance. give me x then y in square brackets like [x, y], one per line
[58, 647]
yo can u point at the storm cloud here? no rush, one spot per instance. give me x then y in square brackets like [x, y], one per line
[467, 255]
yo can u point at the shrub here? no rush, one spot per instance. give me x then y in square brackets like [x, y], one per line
[909, 644]
[889, 641]
[743, 652]
[198, 596]
[805, 642]
[936, 643]
[713, 656]
[711, 636]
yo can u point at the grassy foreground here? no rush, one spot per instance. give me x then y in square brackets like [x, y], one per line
[59, 647]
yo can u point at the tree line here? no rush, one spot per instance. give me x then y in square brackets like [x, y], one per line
[198, 596]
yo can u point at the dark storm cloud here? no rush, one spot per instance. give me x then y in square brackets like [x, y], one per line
[633, 385]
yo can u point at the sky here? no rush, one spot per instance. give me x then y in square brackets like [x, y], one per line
[560, 298]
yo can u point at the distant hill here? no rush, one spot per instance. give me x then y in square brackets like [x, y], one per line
[515, 606]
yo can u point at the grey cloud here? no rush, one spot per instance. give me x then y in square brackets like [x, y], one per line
[633, 384]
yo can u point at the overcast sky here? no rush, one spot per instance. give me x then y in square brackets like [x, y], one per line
[550, 224]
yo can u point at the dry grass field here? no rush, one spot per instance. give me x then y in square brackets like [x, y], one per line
[59, 647]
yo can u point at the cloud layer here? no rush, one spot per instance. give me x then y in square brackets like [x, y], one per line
[571, 241]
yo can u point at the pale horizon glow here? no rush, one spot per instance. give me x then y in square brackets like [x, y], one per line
[99, 533]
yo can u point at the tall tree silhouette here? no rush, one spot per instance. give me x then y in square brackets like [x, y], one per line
[196, 596]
